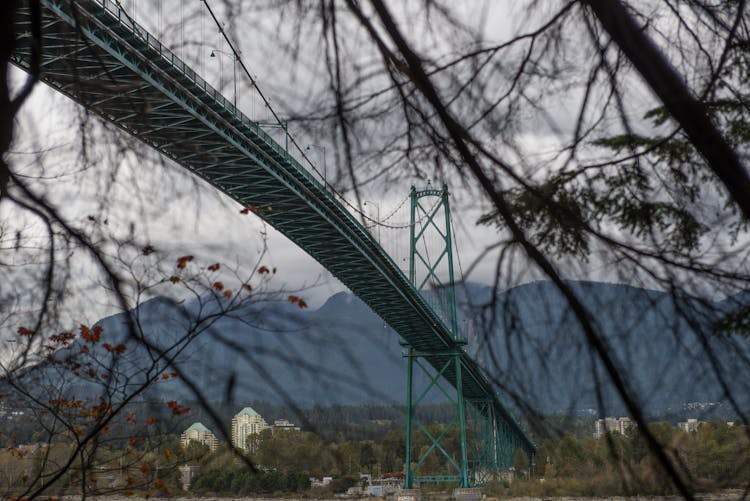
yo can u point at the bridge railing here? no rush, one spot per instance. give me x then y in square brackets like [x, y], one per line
[113, 8]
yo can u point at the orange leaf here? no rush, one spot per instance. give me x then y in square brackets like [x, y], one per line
[214, 267]
[145, 469]
[302, 304]
[182, 261]
[228, 293]
[293, 299]
[25, 332]
[218, 286]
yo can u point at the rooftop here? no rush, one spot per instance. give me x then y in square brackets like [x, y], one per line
[197, 427]
[249, 411]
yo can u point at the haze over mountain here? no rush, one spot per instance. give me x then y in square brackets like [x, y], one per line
[342, 353]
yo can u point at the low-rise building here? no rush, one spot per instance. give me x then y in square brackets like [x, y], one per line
[689, 426]
[612, 425]
[283, 424]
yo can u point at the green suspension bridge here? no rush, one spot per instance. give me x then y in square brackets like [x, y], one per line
[97, 55]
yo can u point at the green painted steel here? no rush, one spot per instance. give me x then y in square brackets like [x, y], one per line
[95, 54]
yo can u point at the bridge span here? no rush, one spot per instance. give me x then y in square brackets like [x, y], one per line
[97, 55]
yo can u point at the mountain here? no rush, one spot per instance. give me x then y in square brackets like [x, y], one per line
[533, 349]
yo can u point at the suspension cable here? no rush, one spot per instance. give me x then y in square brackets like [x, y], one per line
[267, 103]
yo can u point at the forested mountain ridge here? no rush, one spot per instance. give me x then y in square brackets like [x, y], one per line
[342, 353]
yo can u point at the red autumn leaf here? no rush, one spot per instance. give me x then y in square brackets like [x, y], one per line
[151, 421]
[177, 409]
[293, 299]
[302, 303]
[25, 332]
[120, 348]
[145, 469]
[91, 335]
[248, 209]
[218, 286]
[183, 261]
[263, 269]
[214, 267]
[108, 347]
[165, 376]
[228, 293]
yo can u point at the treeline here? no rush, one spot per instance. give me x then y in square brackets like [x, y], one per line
[335, 423]
[716, 456]
[287, 454]
[239, 479]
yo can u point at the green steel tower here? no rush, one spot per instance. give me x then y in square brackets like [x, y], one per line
[424, 274]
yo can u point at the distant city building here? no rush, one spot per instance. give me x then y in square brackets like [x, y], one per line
[201, 434]
[611, 425]
[689, 426]
[187, 473]
[383, 486]
[245, 423]
[316, 482]
[283, 424]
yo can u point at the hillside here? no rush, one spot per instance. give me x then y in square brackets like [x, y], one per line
[342, 353]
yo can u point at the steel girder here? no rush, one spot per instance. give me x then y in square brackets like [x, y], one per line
[95, 54]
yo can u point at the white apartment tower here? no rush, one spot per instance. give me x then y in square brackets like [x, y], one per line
[199, 433]
[245, 423]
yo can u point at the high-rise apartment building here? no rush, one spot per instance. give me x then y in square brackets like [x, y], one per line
[245, 423]
[199, 433]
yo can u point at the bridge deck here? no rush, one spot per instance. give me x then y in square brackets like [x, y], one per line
[97, 56]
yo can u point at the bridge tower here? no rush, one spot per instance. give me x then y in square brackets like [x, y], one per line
[433, 277]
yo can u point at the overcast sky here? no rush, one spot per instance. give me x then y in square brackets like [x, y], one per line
[169, 208]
